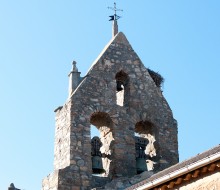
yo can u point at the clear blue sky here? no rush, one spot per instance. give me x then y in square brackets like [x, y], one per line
[39, 39]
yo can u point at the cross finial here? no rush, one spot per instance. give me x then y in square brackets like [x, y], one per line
[114, 18]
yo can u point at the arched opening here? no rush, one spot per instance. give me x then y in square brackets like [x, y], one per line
[122, 88]
[145, 137]
[103, 149]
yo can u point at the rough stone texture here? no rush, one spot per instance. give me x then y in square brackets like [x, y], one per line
[122, 183]
[51, 181]
[144, 110]
[62, 137]
[209, 182]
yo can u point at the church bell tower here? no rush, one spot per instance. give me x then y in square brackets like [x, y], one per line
[124, 101]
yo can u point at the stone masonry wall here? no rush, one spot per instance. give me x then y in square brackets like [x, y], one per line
[51, 181]
[144, 102]
[62, 137]
[96, 94]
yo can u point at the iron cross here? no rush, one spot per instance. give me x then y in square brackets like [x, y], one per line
[115, 16]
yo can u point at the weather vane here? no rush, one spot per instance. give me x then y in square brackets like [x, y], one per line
[115, 16]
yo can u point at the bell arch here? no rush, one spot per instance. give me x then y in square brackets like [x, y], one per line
[103, 122]
[146, 149]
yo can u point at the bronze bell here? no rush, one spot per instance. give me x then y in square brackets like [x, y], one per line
[97, 167]
[141, 165]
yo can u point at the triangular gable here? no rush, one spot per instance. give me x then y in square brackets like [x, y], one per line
[119, 38]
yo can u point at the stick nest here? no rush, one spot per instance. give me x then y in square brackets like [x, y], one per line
[157, 78]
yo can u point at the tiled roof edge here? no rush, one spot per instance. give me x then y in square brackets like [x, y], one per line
[189, 165]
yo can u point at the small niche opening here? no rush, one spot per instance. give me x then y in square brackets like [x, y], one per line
[122, 90]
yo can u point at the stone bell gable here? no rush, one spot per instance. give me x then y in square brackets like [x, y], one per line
[122, 100]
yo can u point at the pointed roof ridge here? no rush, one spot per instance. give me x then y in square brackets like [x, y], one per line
[119, 38]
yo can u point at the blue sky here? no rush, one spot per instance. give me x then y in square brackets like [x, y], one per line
[39, 39]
